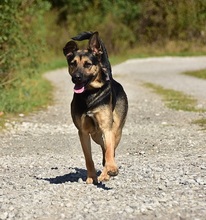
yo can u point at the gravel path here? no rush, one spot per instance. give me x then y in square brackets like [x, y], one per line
[162, 155]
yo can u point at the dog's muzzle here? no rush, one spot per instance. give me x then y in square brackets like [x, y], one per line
[77, 78]
[80, 82]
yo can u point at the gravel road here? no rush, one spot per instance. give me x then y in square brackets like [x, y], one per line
[161, 158]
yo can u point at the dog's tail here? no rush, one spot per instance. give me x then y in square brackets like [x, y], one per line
[83, 36]
[106, 66]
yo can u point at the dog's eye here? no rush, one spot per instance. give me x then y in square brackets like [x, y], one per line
[87, 65]
[73, 64]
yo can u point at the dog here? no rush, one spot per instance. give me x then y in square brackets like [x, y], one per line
[99, 105]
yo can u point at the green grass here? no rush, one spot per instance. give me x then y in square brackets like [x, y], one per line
[201, 122]
[27, 93]
[26, 96]
[171, 48]
[175, 99]
[202, 75]
[54, 63]
[179, 101]
[199, 73]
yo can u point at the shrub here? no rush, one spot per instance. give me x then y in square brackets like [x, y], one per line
[21, 38]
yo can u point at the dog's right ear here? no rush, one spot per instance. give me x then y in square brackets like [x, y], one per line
[69, 48]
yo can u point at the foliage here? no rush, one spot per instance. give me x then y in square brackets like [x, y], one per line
[113, 19]
[21, 38]
[173, 19]
[21, 46]
[123, 24]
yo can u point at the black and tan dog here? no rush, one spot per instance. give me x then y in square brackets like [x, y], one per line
[99, 106]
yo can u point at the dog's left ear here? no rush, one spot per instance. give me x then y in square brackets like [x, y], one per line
[69, 48]
[94, 44]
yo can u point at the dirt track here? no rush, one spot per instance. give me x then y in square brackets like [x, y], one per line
[162, 156]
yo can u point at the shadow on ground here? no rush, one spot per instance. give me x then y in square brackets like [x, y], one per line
[73, 177]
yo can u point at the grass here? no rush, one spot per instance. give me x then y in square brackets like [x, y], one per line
[179, 101]
[201, 122]
[171, 48]
[54, 63]
[175, 99]
[202, 75]
[24, 97]
[199, 73]
[25, 94]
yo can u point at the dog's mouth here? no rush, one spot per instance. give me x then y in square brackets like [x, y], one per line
[81, 85]
[79, 88]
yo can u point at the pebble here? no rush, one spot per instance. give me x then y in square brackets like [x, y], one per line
[128, 209]
[4, 215]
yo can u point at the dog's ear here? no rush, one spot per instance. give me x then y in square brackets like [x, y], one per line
[95, 44]
[69, 48]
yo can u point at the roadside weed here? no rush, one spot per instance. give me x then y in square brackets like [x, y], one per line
[175, 99]
[25, 96]
[199, 73]
[201, 122]
[178, 101]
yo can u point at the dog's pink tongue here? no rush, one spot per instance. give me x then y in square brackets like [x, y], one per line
[78, 89]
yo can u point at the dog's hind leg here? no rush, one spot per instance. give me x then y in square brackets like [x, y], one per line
[97, 138]
[86, 146]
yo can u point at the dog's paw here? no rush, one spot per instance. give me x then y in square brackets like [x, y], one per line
[113, 173]
[107, 172]
[91, 180]
[103, 177]
[112, 170]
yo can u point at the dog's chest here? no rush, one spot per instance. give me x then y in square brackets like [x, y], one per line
[88, 122]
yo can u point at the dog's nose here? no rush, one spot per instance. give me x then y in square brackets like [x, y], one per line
[77, 78]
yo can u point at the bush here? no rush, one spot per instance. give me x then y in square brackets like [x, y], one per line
[21, 38]
[123, 24]
[163, 20]
[115, 26]
[22, 42]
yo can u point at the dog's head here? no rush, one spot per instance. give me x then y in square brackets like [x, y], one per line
[84, 65]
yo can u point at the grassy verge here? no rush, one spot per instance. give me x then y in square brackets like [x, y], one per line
[54, 63]
[202, 75]
[171, 48]
[178, 101]
[25, 94]
[199, 74]
[201, 122]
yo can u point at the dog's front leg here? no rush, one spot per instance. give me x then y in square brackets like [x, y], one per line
[86, 146]
[110, 168]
